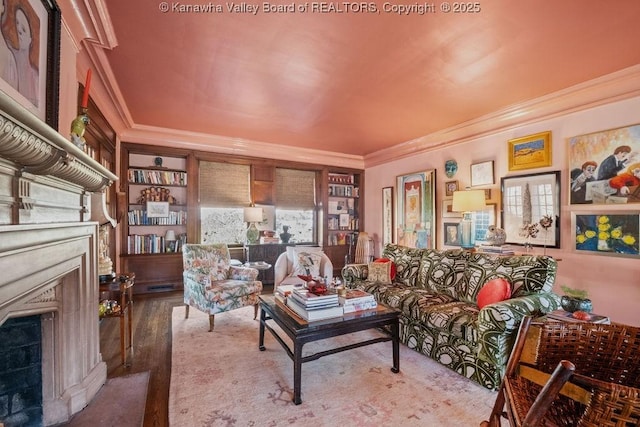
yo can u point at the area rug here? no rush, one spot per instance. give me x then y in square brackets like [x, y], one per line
[120, 402]
[221, 378]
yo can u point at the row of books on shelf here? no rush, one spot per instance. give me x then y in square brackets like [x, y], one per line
[140, 217]
[154, 244]
[341, 178]
[495, 249]
[337, 190]
[341, 238]
[145, 176]
[312, 307]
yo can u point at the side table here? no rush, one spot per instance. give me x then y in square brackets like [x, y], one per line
[122, 285]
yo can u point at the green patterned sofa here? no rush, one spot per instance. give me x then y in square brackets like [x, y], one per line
[436, 293]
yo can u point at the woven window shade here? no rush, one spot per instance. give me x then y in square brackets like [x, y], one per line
[224, 185]
[295, 189]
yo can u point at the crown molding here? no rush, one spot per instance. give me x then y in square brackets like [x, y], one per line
[89, 21]
[617, 86]
[164, 137]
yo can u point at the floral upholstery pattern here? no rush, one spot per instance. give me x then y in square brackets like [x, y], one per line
[212, 284]
[436, 293]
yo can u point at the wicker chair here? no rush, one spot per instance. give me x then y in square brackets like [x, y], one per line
[598, 387]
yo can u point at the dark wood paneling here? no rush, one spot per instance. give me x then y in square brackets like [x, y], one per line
[155, 273]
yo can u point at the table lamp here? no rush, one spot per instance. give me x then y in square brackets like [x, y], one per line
[100, 214]
[467, 202]
[252, 215]
[170, 240]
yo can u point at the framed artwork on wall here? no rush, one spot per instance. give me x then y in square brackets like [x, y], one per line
[450, 187]
[157, 209]
[387, 215]
[483, 219]
[526, 199]
[415, 209]
[447, 210]
[529, 152]
[451, 234]
[615, 233]
[604, 167]
[30, 75]
[482, 174]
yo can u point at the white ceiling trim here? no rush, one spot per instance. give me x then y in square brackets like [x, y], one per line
[623, 84]
[164, 137]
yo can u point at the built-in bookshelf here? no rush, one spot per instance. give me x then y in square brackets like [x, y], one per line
[343, 215]
[155, 225]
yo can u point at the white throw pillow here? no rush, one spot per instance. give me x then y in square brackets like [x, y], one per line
[307, 264]
[292, 254]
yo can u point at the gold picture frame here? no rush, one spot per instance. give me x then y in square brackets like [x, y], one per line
[529, 152]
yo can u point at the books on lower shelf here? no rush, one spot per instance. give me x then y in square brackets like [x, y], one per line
[568, 317]
[315, 313]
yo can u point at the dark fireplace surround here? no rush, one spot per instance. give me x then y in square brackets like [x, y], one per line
[48, 254]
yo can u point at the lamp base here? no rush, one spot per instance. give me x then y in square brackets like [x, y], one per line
[253, 235]
[467, 232]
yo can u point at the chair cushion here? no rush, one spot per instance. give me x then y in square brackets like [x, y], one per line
[292, 254]
[307, 263]
[495, 290]
[380, 272]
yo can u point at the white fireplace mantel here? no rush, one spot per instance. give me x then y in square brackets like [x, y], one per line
[49, 254]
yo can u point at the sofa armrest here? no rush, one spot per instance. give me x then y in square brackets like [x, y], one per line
[248, 274]
[498, 324]
[352, 273]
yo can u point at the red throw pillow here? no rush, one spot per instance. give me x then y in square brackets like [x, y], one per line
[493, 291]
[393, 266]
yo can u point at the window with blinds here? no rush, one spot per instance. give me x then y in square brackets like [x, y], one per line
[225, 189]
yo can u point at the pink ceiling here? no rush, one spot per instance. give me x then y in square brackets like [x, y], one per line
[352, 82]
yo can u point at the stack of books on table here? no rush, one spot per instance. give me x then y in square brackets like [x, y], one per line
[357, 300]
[282, 292]
[502, 249]
[314, 307]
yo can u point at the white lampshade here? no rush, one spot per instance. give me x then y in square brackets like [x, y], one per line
[170, 235]
[468, 201]
[252, 214]
[99, 211]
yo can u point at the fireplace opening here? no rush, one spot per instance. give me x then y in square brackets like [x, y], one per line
[21, 372]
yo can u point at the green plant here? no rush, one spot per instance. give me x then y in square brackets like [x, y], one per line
[575, 293]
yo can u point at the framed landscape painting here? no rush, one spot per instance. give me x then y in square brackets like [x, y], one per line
[30, 55]
[528, 152]
[416, 210]
[614, 233]
[604, 167]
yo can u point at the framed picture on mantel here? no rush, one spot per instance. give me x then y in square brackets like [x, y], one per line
[30, 60]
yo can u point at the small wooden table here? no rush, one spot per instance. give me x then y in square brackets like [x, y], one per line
[122, 286]
[302, 332]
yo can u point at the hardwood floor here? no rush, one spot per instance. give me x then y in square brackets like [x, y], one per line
[151, 349]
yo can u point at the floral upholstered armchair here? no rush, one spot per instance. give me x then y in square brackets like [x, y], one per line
[213, 285]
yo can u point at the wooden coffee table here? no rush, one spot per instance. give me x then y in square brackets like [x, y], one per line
[302, 332]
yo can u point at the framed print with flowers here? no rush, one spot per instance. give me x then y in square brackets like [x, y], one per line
[416, 209]
[614, 233]
[531, 208]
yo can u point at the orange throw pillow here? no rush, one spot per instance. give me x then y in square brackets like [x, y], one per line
[393, 266]
[493, 291]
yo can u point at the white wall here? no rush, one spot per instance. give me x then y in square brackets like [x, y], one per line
[613, 283]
